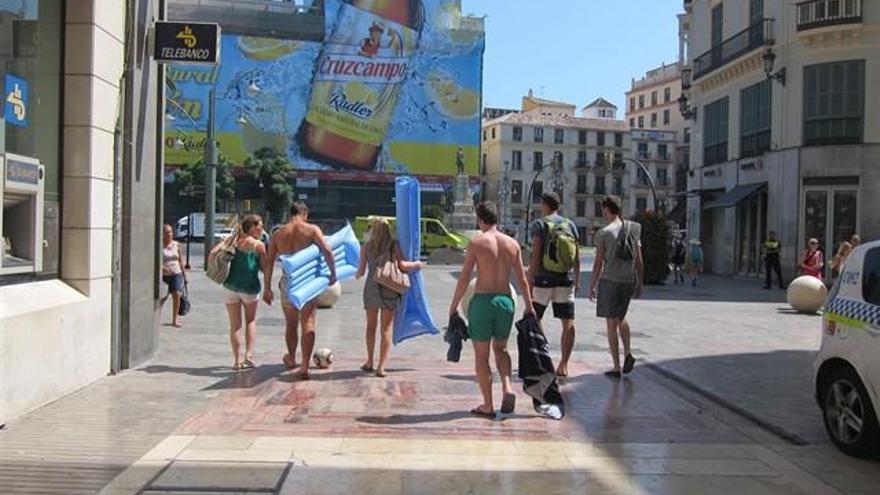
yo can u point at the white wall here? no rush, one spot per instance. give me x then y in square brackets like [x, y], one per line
[55, 335]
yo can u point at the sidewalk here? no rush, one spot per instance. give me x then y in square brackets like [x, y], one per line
[186, 422]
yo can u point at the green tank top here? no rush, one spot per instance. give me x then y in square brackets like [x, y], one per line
[244, 272]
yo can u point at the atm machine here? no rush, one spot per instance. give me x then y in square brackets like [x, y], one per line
[22, 216]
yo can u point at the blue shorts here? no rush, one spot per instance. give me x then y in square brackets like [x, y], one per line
[175, 282]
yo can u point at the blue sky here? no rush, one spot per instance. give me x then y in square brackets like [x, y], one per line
[572, 50]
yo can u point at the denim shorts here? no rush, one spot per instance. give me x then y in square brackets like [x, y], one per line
[175, 282]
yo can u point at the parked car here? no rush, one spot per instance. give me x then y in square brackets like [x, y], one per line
[847, 368]
[223, 226]
[435, 235]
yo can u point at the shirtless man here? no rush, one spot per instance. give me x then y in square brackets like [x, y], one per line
[490, 314]
[296, 235]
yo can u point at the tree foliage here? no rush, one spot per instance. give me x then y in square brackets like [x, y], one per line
[655, 245]
[192, 175]
[271, 170]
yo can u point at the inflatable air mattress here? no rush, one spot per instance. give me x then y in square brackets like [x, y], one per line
[307, 272]
[413, 315]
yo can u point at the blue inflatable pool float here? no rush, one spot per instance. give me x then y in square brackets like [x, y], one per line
[413, 316]
[307, 272]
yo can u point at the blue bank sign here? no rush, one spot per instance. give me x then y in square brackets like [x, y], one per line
[16, 101]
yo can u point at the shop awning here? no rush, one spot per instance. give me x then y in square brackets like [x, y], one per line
[732, 197]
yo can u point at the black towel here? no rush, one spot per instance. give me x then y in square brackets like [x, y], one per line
[536, 369]
[456, 333]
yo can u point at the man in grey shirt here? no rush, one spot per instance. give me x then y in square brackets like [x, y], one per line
[618, 273]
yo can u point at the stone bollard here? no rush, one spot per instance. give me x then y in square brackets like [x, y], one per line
[806, 294]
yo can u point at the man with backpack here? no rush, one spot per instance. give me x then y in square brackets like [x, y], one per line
[618, 274]
[554, 270]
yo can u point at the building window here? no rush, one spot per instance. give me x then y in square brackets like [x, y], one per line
[687, 135]
[516, 191]
[581, 208]
[618, 186]
[597, 209]
[582, 184]
[662, 152]
[582, 158]
[641, 101]
[600, 138]
[517, 133]
[32, 35]
[653, 120]
[483, 164]
[653, 98]
[641, 204]
[667, 95]
[537, 161]
[493, 133]
[662, 176]
[643, 151]
[755, 114]
[632, 123]
[666, 117]
[717, 26]
[618, 159]
[516, 160]
[582, 137]
[632, 103]
[561, 157]
[537, 191]
[558, 136]
[715, 132]
[834, 103]
[539, 134]
[641, 121]
[484, 134]
[600, 185]
[618, 140]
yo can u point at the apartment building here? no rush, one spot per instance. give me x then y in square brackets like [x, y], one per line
[786, 126]
[520, 152]
[660, 136]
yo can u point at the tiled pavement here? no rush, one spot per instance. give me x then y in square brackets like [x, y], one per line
[186, 423]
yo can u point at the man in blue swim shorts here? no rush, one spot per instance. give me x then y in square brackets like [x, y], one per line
[490, 314]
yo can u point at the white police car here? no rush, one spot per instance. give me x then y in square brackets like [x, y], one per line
[847, 368]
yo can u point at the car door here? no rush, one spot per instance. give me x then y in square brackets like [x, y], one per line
[870, 338]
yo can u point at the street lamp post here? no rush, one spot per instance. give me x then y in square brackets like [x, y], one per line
[210, 178]
[558, 182]
[504, 193]
[645, 171]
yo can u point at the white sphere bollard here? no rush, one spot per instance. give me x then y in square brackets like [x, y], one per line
[328, 298]
[806, 294]
[469, 294]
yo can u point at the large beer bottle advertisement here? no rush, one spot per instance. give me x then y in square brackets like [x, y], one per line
[393, 88]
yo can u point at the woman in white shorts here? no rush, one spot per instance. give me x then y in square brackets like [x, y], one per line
[242, 288]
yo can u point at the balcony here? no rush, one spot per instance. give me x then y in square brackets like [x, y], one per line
[821, 13]
[599, 191]
[749, 39]
[581, 164]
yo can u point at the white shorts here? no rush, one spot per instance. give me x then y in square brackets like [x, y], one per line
[232, 297]
[561, 298]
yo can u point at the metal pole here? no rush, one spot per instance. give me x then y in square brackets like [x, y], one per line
[210, 178]
[650, 180]
[189, 232]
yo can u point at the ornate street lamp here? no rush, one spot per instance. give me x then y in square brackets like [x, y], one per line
[769, 58]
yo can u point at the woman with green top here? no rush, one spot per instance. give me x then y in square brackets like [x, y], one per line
[242, 288]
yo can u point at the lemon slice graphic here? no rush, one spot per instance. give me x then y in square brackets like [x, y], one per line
[265, 48]
[452, 100]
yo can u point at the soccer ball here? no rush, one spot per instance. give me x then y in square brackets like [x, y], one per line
[323, 358]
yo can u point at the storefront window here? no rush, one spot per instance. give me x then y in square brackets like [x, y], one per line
[31, 34]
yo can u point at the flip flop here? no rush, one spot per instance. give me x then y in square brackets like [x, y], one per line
[248, 364]
[628, 363]
[508, 404]
[381, 374]
[237, 367]
[289, 362]
[477, 412]
[612, 374]
[561, 375]
[366, 369]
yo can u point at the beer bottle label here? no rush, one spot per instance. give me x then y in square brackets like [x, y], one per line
[358, 75]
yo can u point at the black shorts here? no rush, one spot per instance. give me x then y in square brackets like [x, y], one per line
[613, 299]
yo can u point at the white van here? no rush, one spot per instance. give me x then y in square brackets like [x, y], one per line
[847, 368]
[222, 226]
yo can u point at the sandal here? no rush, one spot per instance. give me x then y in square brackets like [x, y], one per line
[612, 374]
[237, 367]
[508, 404]
[248, 363]
[628, 363]
[381, 373]
[366, 369]
[482, 414]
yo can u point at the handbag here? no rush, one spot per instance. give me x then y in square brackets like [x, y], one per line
[218, 265]
[185, 304]
[390, 276]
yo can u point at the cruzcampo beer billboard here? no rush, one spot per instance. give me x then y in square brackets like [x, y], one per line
[394, 88]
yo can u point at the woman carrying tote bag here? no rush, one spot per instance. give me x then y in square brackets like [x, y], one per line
[387, 280]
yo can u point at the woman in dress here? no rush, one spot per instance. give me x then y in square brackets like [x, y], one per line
[812, 260]
[242, 288]
[378, 300]
[173, 273]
